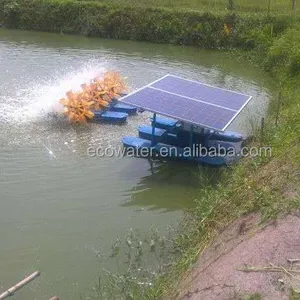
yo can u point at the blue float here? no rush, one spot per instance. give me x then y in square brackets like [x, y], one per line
[120, 107]
[110, 117]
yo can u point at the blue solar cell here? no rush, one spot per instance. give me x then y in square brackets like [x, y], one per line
[184, 109]
[189, 101]
[202, 92]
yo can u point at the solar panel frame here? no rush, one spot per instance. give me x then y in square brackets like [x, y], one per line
[165, 113]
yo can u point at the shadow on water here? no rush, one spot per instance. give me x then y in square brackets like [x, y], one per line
[171, 185]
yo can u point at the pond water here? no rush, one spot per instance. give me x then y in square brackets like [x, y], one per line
[59, 207]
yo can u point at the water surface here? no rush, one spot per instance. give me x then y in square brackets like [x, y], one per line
[59, 207]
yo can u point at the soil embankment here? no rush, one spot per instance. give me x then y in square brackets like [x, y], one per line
[271, 253]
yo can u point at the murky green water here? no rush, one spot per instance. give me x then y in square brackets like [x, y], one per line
[58, 207]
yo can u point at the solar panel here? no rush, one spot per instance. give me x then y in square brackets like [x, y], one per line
[189, 101]
[201, 91]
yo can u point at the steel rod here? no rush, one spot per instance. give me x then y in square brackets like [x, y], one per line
[153, 131]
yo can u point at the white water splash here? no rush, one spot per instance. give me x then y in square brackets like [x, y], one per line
[35, 102]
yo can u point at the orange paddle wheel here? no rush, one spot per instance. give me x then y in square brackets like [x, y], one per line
[97, 95]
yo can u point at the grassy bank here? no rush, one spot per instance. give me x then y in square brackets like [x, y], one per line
[269, 186]
[239, 6]
[142, 23]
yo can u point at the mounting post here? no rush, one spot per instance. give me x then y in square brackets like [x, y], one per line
[293, 5]
[153, 130]
[269, 8]
[191, 136]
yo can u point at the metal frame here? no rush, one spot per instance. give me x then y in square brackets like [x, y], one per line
[238, 112]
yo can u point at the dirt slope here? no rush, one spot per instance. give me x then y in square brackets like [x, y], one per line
[216, 274]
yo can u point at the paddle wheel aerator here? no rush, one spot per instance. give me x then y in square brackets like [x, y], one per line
[79, 106]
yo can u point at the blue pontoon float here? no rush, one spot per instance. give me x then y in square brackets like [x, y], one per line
[197, 114]
[110, 117]
[117, 106]
[120, 107]
[115, 113]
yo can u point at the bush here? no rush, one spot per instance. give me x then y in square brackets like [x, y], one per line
[10, 13]
[160, 25]
[284, 54]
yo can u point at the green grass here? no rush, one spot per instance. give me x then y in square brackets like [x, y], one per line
[278, 6]
[159, 25]
[294, 295]
[255, 296]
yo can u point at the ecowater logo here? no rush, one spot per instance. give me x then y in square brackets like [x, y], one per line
[186, 152]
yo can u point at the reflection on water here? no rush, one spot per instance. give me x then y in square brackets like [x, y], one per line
[178, 184]
[57, 204]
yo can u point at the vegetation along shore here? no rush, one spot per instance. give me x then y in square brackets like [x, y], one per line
[268, 34]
